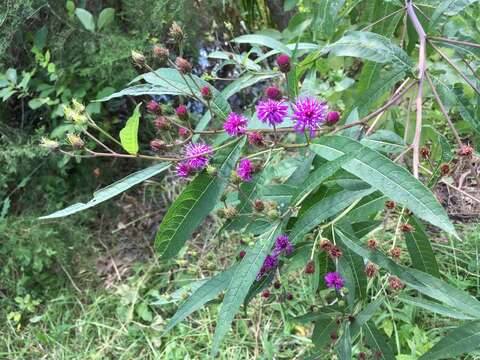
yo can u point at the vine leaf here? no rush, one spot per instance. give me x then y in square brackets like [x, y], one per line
[194, 204]
[420, 249]
[208, 291]
[112, 190]
[460, 340]
[386, 176]
[129, 134]
[239, 286]
[370, 46]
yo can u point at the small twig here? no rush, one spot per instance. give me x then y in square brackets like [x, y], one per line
[382, 19]
[453, 41]
[455, 67]
[443, 110]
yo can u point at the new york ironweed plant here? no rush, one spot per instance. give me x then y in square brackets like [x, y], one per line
[344, 173]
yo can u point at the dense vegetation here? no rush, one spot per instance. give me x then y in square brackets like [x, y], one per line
[271, 179]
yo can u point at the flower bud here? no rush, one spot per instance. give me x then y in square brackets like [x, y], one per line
[372, 244]
[371, 270]
[256, 138]
[362, 356]
[49, 144]
[266, 294]
[212, 170]
[176, 32]
[157, 144]
[153, 106]
[277, 285]
[183, 65]
[273, 93]
[326, 244]
[221, 213]
[395, 283]
[406, 228]
[465, 150]
[161, 53]
[310, 267]
[258, 205]
[333, 334]
[444, 169]
[183, 132]
[97, 172]
[138, 58]
[289, 296]
[273, 214]
[283, 62]
[230, 212]
[78, 106]
[182, 112]
[235, 179]
[395, 252]
[75, 141]
[335, 252]
[333, 117]
[425, 152]
[206, 93]
[161, 123]
[390, 204]
[242, 254]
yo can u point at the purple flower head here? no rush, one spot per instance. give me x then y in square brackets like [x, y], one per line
[283, 244]
[270, 263]
[197, 155]
[245, 170]
[334, 280]
[309, 113]
[271, 111]
[235, 124]
[183, 170]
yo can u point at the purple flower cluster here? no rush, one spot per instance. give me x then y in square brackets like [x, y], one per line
[309, 113]
[272, 112]
[334, 280]
[197, 157]
[282, 245]
[235, 124]
[245, 170]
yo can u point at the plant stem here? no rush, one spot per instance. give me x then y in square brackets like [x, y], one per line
[452, 41]
[422, 65]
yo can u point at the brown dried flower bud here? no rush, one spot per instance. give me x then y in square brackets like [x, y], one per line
[259, 205]
[326, 244]
[395, 252]
[395, 283]
[371, 270]
[230, 212]
[466, 151]
[335, 252]
[157, 144]
[138, 58]
[390, 204]
[444, 169]
[372, 244]
[406, 228]
[176, 32]
[75, 141]
[161, 53]
[310, 267]
[161, 123]
[49, 144]
[183, 65]
[425, 152]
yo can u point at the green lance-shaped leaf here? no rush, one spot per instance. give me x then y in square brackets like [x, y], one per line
[245, 274]
[322, 331]
[434, 307]
[364, 316]
[449, 8]
[357, 280]
[420, 281]
[316, 178]
[194, 204]
[458, 341]
[344, 345]
[325, 19]
[386, 176]
[369, 206]
[112, 190]
[208, 291]
[377, 341]
[370, 46]
[263, 40]
[129, 134]
[420, 249]
[384, 141]
[324, 209]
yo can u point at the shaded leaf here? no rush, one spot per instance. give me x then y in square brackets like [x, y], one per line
[434, 307]
[106, 17]
[86, 18]
[377, 341]
[449, 8]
